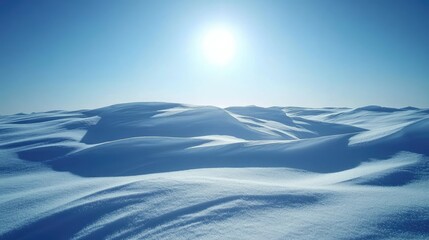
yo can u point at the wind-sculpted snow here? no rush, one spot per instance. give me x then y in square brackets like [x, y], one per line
[124, 121]
[175, 171]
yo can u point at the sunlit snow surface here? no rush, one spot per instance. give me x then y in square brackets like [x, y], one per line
[173, 171]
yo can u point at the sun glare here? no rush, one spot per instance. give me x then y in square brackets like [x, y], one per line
[219, 46]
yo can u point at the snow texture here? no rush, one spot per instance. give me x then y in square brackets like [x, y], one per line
[175, 171]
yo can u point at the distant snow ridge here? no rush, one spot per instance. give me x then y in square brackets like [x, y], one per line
[176, 171]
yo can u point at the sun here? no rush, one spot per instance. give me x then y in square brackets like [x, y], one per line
[219, 45]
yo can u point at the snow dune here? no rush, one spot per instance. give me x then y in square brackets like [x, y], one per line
[175, 171]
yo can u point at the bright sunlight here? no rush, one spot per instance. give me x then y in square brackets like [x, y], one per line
[218, 45]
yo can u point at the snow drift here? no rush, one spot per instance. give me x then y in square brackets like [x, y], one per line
[175, 171]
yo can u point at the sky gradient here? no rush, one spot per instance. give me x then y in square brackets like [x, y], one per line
[86, 54]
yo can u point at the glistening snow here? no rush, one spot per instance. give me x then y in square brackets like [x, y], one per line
[174, 171]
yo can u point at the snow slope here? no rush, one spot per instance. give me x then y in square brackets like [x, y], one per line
[175, 171]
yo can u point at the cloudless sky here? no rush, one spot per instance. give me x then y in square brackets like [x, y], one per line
[85, 54]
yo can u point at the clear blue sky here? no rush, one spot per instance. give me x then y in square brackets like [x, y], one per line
[84, 54]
